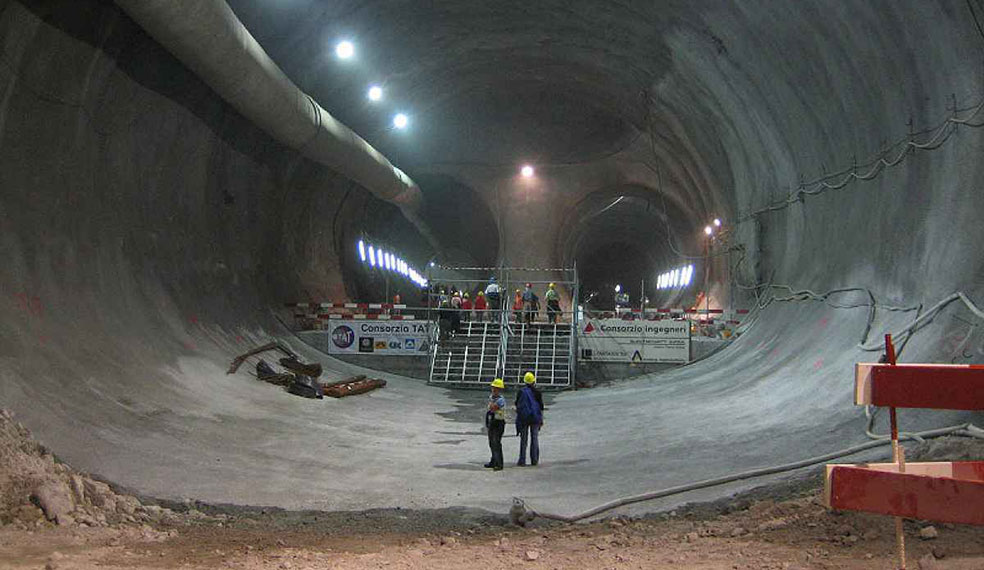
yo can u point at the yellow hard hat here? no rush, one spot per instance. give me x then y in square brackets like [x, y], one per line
[518, 291]
[529, 378]
[498, 383]
[481, 294]
[551, 285]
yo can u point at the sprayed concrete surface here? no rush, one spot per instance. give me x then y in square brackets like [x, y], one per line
[148, 230]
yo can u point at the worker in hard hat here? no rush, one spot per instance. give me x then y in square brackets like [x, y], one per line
[529, 419]
[553, 303]
[492, 292]
[495, 421]
[532, 303]
[517, 306]
[466, 307]
[480, 306]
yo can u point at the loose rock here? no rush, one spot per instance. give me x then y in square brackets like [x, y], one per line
[55, 500]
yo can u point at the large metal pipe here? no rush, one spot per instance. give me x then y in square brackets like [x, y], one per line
[211, 41]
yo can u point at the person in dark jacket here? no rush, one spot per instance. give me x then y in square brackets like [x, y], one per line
[529, 419]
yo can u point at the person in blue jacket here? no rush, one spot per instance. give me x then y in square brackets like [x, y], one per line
[529, 419]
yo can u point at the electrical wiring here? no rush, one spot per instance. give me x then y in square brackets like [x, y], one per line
[884, 159]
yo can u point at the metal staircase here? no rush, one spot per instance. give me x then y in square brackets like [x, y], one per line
[482, 351]
[541, 348]
[470, 357]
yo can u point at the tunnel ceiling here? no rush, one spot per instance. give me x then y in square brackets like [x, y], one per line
[555, 81]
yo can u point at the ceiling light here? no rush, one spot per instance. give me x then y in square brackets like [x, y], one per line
[344, 50]
[362, 251]
[708, 230]
[400, 121]
[717, 222]
[375, 93]
[372, 256]
[527, 171]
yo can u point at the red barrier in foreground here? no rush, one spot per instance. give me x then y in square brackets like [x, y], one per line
[951, 492]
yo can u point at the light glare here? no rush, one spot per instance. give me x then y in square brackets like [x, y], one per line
[527, 171]
[708, 230]
[400, 121]
[717, 222]
[375, 93]
[344, 49]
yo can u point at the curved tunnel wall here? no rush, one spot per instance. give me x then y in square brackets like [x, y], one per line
[142, 219]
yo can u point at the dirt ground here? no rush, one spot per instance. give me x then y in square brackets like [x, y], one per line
[793, 534]
[56, 518]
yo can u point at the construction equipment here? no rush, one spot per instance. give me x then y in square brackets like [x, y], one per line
[290, 361]
[352, 386]
[300, 378]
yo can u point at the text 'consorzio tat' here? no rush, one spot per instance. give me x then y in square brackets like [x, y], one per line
[418, 328]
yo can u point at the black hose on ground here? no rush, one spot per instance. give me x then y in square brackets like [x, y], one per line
[529, 513]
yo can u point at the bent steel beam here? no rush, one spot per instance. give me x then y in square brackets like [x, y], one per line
[209, 39]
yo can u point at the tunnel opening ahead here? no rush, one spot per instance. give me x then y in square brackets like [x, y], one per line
[627, 236]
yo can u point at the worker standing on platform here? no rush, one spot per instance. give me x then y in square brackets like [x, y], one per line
[495, 421]
[466, 308]
[532, 303]
[492, 292]
[553, 303]
[455, 312]
[480, 306]
[517, 306]
[529, 419]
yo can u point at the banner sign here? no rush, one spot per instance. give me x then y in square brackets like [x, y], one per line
[384, 338]
[617, 340]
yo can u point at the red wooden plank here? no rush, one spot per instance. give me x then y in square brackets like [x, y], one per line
[937, 386]
[920, 493]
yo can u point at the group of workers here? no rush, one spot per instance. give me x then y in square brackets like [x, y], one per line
[529, 420]
[525, 306]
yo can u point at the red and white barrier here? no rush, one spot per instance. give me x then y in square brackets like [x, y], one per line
[347, 305]
[367, 317]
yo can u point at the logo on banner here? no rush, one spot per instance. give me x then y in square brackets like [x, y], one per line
[365, 344]
[588, 328]
[395, 345]
[381, 345]
[343, 336]
[637, 356]
[586, 353]
[410, 343]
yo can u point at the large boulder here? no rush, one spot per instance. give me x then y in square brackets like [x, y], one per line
[55, 499]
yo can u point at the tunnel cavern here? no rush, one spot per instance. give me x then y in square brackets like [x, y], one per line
[698, 216]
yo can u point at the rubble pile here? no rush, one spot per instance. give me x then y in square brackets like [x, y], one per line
[36, 490]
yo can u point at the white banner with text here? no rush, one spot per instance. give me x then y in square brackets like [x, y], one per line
[383, 338]
[617, 340]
